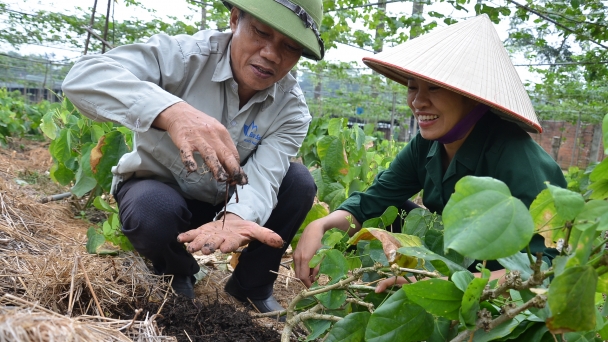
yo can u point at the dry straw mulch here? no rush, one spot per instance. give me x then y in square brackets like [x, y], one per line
[52, 289]
[22, 321]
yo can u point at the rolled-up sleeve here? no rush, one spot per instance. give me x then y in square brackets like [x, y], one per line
[129, 84]
[269, 164]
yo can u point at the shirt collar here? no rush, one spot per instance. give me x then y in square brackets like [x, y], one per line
[469, 153]
[223, 72]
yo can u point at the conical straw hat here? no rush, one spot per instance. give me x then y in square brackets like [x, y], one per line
[468, 58]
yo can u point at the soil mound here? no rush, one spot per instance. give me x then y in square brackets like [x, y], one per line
[206, 320]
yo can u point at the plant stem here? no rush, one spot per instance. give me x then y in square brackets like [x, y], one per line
[91, 196]
[366, 288]
[539, 302]
[285, 336]
[600, 246]
[421, 272]
[529, 252]
[567, 238]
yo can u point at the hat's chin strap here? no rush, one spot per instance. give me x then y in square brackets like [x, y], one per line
[464, 125]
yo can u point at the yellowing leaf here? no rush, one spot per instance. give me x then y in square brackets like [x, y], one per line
[96, 154]
[391, 242]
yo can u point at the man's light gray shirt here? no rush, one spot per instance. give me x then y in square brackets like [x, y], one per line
[132, 84]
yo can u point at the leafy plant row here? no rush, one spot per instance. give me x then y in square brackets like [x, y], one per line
[19, 118]
[445, 301]
[84, 153]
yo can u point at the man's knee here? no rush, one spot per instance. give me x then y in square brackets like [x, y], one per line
[152, 208]
[300, 181]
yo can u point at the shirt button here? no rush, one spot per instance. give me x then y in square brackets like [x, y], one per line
[233, 123]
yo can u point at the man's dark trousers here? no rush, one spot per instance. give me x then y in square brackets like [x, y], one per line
[153, 213]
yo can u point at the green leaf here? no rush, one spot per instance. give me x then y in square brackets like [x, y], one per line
[48, 126]
[542, 313]
[350, 328]
[376, 298]
[334, 265]
[437, 296]
[384, 221]
[442, 264]
[97, 132]
[571, 299]
[462, 279]
[600, 189]
[353, 262]
[536, 333]
[483, 221]
[580, 336]
[60, 148]
[335, 126]
[470, 302]
[605, 131]
[61, 174]
[111, 147]
[317, 258]
[102, 204]
[94, 240]
[434, 240]
[416, 222]
[600, 172]
[376, 252]
[559, 264]
[602, 284]
[568, 203]
[520, 262]
[583, 245]
[332, 237]
[332, 154]
[399, 319]
[332, 299]
[85, 181]
[595, 211]
[442, 331]
[545, 216]
[501, 330]
[316, 327]
[67, 104]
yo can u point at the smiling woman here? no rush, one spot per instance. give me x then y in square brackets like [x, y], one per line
[473, 113]
[438, 112]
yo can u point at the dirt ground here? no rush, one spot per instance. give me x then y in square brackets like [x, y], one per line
[212, 316]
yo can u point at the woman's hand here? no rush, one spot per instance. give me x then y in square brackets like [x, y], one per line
[309, 244]
[386, 283]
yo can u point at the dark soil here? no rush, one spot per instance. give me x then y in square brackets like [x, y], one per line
[208, 320]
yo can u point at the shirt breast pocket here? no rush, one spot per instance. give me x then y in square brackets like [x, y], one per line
[166, 153]
[245, 151]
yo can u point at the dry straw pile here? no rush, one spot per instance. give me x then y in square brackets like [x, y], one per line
[52, 290]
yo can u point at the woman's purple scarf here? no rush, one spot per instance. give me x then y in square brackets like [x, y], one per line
[464, 126]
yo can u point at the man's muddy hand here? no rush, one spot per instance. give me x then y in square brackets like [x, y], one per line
[194, 131]
[236, 233]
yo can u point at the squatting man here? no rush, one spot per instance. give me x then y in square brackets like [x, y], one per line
[211, 112]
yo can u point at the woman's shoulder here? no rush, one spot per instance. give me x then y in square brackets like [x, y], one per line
[504, 133]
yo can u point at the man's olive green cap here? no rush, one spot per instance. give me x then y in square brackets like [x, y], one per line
[297, 19]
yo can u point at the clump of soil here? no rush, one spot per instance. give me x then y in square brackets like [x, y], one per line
[206, 320]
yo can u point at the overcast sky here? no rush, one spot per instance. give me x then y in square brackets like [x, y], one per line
[179, 8]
